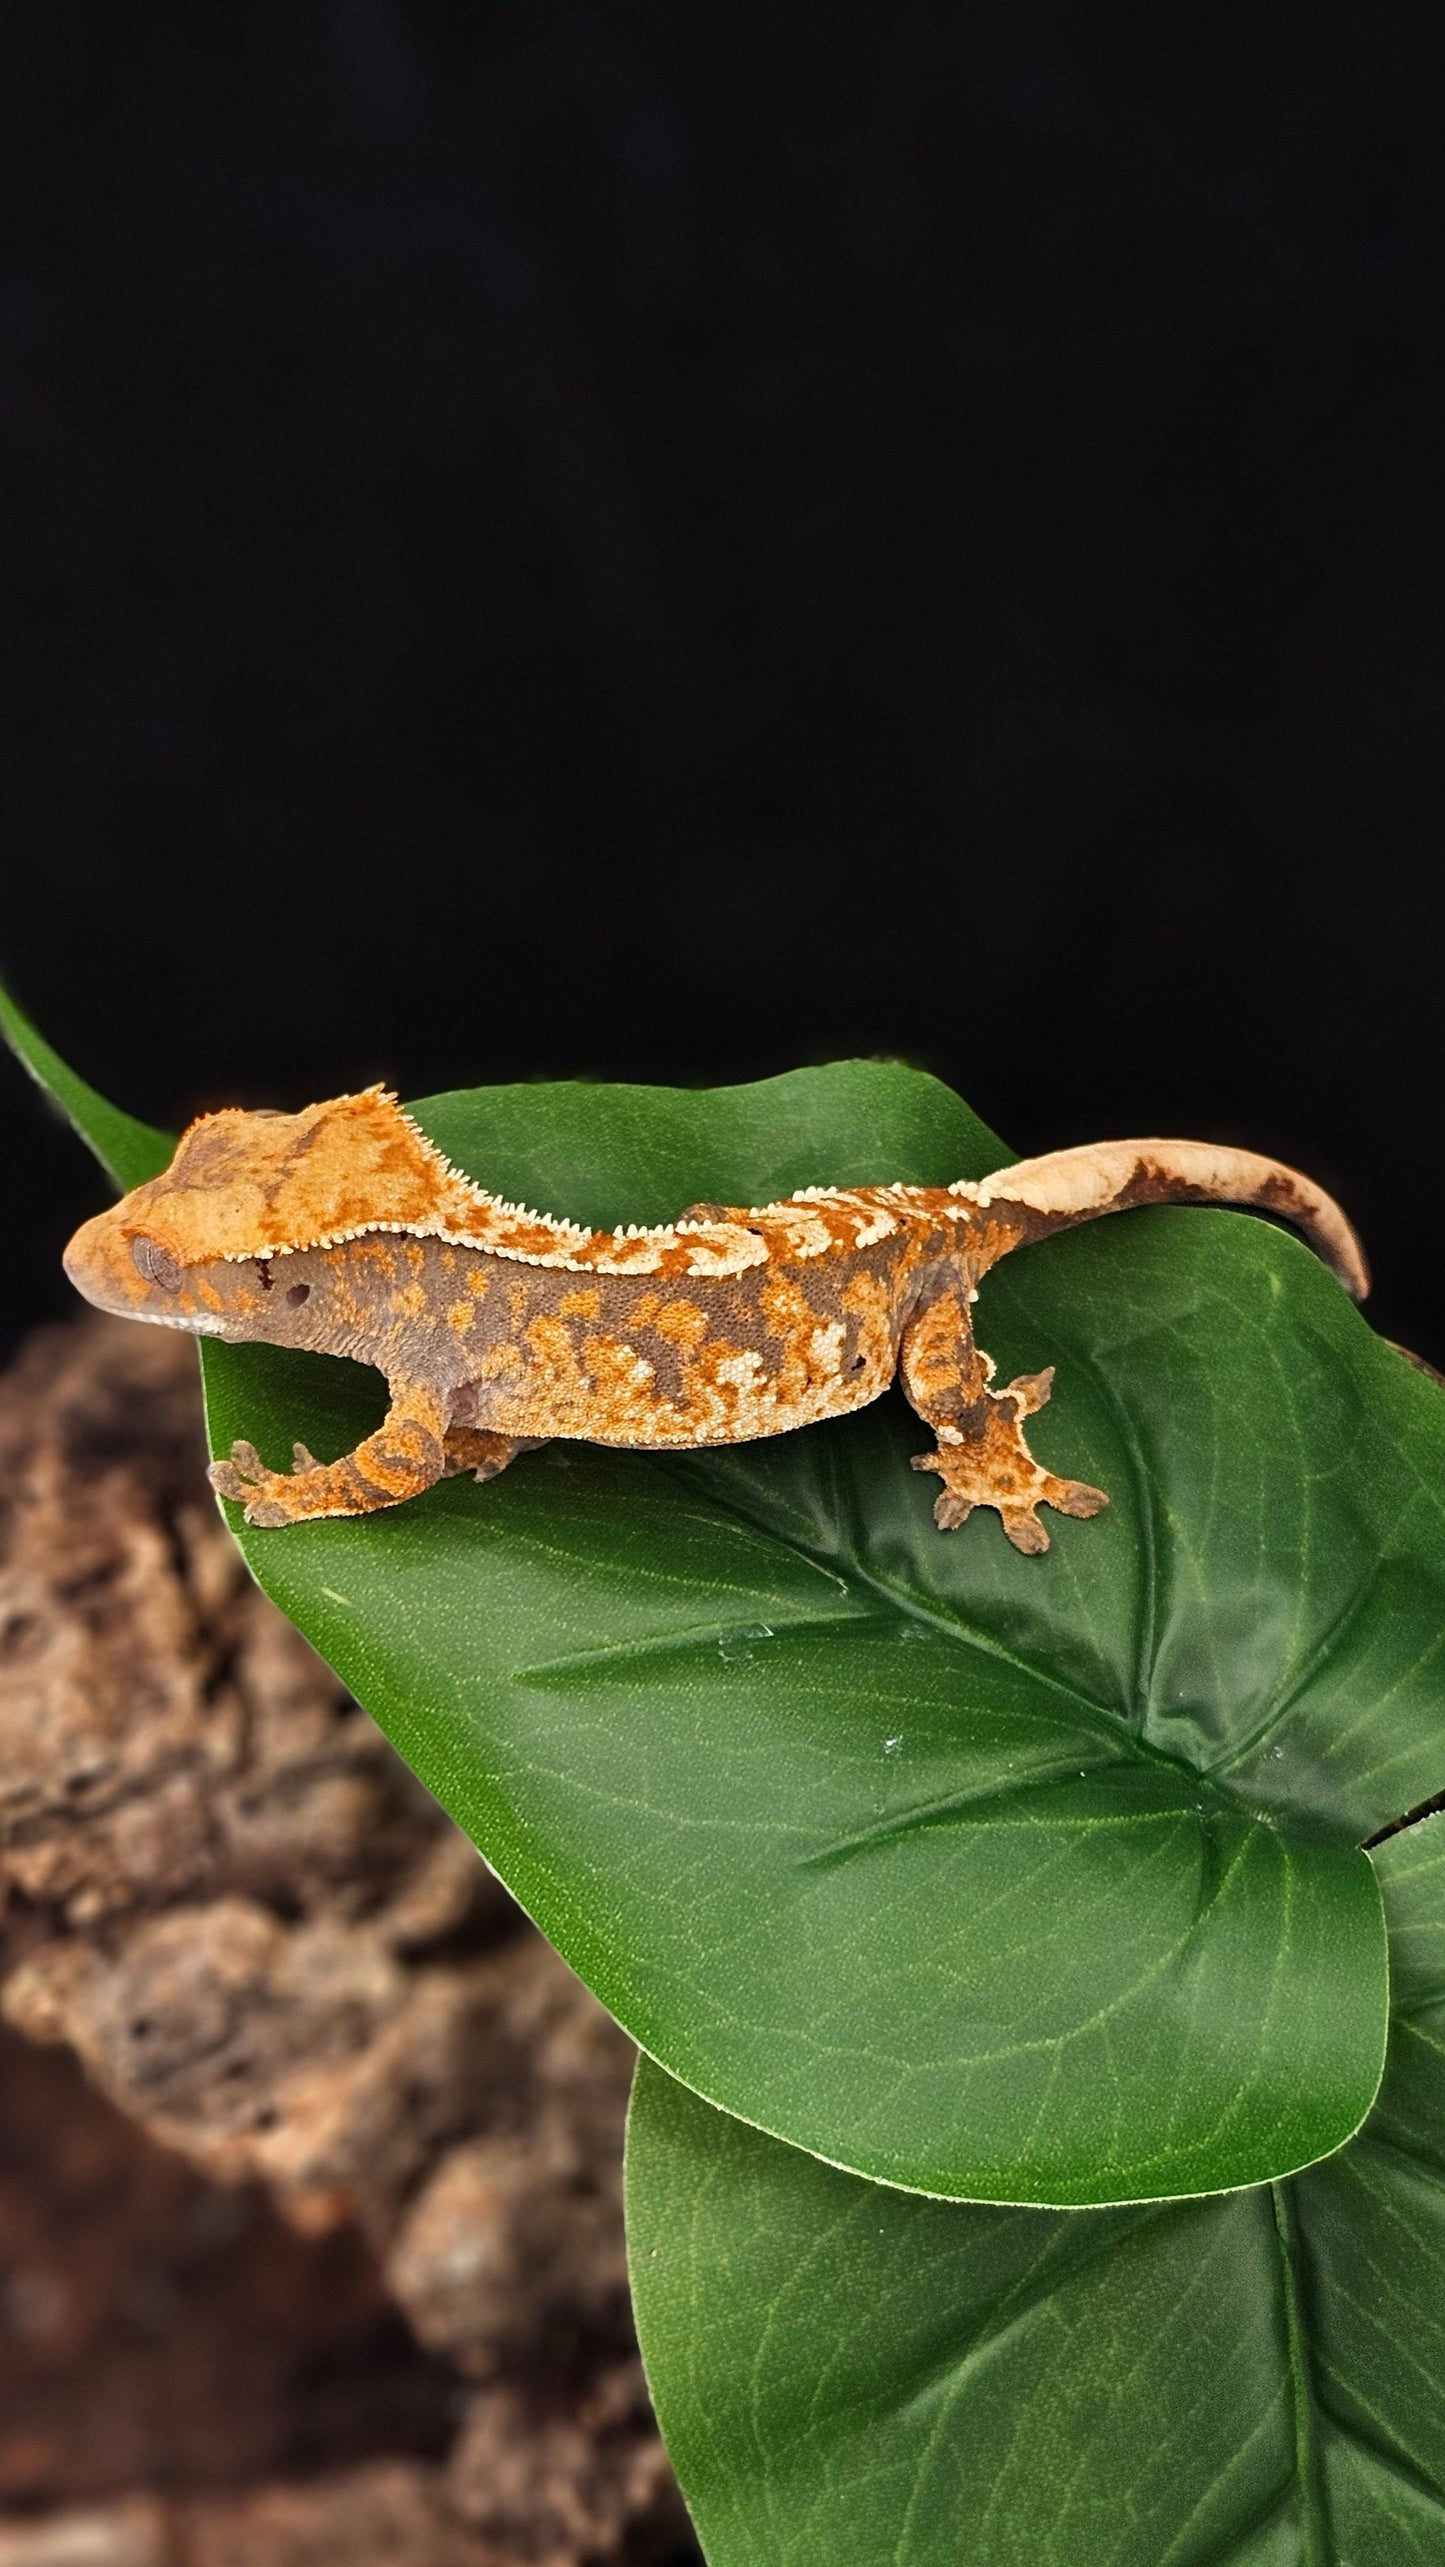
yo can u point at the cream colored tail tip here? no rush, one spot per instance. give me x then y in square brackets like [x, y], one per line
[1114, 1176]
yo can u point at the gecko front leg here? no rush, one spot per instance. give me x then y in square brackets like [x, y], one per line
[480, 1450]
[407, 1454]
[983, 1459]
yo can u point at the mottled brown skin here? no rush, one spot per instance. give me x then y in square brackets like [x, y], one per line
[344, 1231]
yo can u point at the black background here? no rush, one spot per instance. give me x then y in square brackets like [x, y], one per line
[665, 542]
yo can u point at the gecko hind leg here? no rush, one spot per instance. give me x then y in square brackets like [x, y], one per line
[983, 1458]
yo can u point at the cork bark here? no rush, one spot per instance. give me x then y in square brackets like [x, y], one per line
[306, 2015]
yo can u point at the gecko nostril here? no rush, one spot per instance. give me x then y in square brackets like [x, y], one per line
[155, 1264]
[297, 1294]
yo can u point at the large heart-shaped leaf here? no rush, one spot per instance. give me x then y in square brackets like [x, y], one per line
[846, 2375]
[1023, 1880]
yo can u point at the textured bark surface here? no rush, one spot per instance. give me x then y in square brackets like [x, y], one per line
[322, 2257]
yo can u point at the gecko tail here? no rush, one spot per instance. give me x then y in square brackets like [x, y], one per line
[1072, 1186]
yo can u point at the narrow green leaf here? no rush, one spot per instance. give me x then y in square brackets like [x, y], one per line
[128, 1151]
[1029, 1880]
[847, 2376]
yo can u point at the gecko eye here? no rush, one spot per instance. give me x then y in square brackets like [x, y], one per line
[297, 1294]
[155, 1264]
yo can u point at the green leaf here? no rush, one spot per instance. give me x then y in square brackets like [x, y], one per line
[845, 2375]
[128, 1151]
[1028, 1880]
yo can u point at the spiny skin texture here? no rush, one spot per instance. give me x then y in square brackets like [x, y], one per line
[343, 1230]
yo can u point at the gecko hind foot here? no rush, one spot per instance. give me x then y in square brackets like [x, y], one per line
[968, 1482]
[994, 1467]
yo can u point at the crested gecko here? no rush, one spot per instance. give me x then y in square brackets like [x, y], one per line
[344, 1230]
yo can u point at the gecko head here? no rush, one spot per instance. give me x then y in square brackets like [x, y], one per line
[164, 1251]
[192, 1248]
[125, 1262]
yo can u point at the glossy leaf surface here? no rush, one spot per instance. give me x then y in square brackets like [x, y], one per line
[128, 1151]
[1025, 1880]
[846, 2375]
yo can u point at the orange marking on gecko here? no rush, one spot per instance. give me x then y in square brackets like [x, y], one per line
[682, 1322]
[344, 1230]
[580, 1305]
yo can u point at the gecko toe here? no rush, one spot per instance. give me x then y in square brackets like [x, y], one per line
[1030, 1391]
[1024, 1530]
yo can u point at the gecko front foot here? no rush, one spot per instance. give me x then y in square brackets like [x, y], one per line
[992, 1466]
[480, 1450]
[269, 1497]
[403, 1457]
